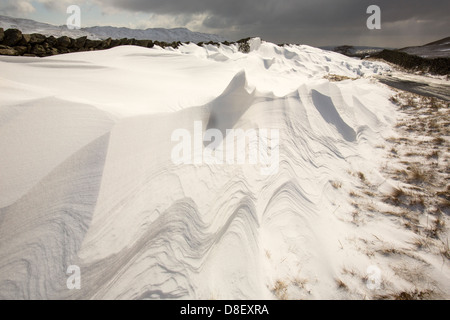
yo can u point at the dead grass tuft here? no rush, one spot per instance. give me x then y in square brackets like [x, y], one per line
[280, 289]
[395, 197]
[336, 184]
[341, 285]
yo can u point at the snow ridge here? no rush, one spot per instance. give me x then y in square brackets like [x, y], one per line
[89, 180]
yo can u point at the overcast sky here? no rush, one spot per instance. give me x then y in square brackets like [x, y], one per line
[313, 22]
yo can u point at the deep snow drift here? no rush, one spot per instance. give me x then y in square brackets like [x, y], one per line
[87, 177]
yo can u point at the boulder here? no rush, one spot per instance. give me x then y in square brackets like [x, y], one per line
[25, 40]
[115, 43]
[8, 51]
[126, 42]
[38, 50]
[36, 38]
[21, 50]
[52, 41]
[142, 43]
[2, 34]
[106, 43]
[64, 42]
[12, 37]
[52, 52]
[80, 42]
[60, 50]
[90, 44]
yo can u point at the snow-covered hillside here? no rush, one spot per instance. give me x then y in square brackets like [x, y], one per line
[437, 49]
[100, 33]
[87, 177]
[156, 34]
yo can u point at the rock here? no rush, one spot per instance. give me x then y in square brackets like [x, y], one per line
[115, 43]
[80, 42]
[36, 38]
[107, 43]
[142, 43]
[25, 40]
[21, 50]
[90, 44]
[104, 44]
[60, 49]
[8, 51]
[126, 42]
[52, 41]
[52, 52]
[2, 34]
[38, 50]
[64, 42]
[12, 37]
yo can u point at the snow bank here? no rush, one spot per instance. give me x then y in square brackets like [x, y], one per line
[87, 179]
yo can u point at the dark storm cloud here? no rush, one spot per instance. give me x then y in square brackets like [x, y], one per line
[313, 21]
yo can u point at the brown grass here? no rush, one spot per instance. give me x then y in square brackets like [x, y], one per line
[438, 141]
[280, 289]
[337, 78]
[395, 197]
[361, 176]
[336, 184]
[341, 285]
[418, 175]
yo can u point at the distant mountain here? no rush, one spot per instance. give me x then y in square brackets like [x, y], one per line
[157, 34]
[100, 33]
[436, 49]
[31, 26]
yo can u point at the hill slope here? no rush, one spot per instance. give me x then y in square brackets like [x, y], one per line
[436, 49]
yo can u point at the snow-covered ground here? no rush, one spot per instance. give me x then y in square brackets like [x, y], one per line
[87, 178]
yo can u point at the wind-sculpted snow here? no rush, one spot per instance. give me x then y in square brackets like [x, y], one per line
[88, 180]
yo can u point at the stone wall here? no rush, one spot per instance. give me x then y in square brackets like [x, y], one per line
[14, 43]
